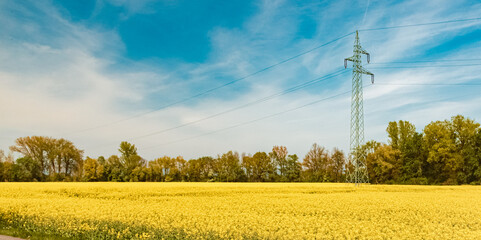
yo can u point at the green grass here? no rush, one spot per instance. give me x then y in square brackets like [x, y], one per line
[20, 233]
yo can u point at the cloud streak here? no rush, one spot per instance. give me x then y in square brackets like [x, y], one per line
[60, 76]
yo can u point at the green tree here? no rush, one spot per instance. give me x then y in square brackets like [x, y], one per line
[2, 179]
[279, 159]
[259, 168]
[64, 158]
[31, 169]
[139, 174]
[338, 161]
[316, 164]
[165, 165]
[116, 172]
[463, 132]
[228, 168]
[69, 157]
[8, 171]
[131, 160]
[156, 170]
[106, 170]
[384, 164]
[476, 165]
[8, 167]
[393, 134]
[403, 137]
[57, 158]
[293, 168]
[2, 169]
[93, 170]
[443, 159]
[35, 148]
[193, 170]
[414, 159]
[172, 169]
[177, 171]
[206, 167]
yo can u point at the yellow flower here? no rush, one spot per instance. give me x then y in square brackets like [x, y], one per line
[242, 210]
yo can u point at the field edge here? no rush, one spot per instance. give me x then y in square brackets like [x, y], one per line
[21, 233]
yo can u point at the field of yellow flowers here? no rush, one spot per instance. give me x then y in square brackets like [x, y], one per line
[241, 210]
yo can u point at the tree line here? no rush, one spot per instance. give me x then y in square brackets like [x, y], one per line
[445, 152]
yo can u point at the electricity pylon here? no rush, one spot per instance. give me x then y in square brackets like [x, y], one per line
[356, 156]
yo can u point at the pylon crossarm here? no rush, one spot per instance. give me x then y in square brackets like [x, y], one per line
[364, 71]
[347, 59]
[368, 57]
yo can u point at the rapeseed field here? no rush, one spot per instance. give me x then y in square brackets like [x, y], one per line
[241, 211]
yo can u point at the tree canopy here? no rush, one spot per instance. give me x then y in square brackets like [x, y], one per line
[444, 152]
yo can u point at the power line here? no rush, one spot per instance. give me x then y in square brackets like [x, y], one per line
[295, 88]
[432, 101]
[216, 88]
[431, 84]
[262, 70]
[429, 61]
[279, 113]
[421, 24]
[270, 116]
[289, 90]
[274, 65]
[278, 94]
[429, 66]
[255, 120]
[436, 101]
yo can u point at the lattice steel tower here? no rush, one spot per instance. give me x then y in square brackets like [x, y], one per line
[359, 174]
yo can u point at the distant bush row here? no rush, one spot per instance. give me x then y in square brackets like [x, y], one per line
[445, 152]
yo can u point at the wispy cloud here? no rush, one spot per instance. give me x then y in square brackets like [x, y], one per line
[61, 77]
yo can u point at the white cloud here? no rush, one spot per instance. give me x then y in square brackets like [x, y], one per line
[71, 82]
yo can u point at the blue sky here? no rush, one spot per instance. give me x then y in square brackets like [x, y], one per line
[171, 30]
[79, 69]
